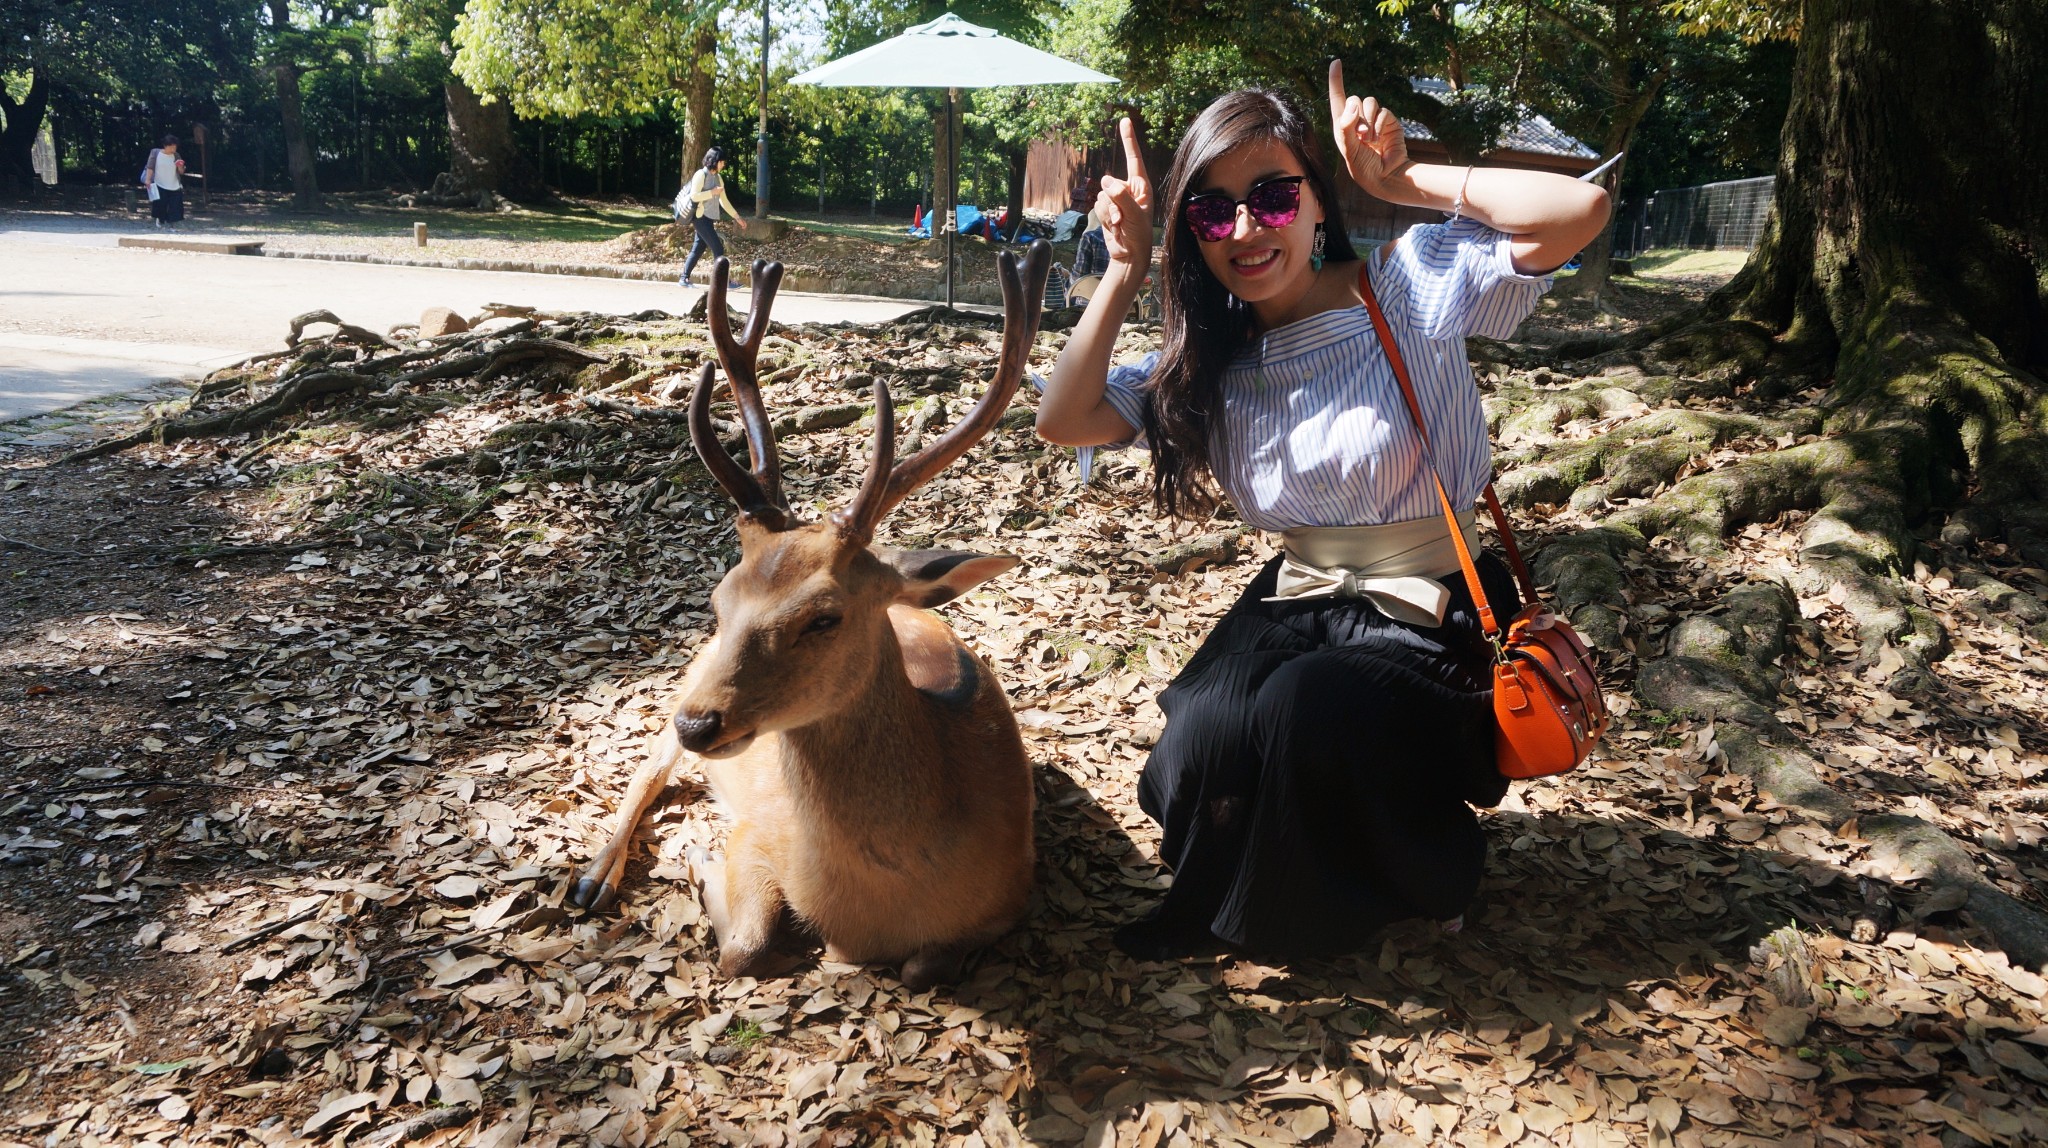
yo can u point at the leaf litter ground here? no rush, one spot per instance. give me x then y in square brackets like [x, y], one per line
[306, 730]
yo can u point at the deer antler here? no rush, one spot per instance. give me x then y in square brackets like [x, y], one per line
[1023, 291]
[759, 493]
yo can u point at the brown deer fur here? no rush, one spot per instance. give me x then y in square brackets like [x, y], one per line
[873, 771]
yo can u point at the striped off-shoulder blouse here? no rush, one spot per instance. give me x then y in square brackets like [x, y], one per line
[1314, 430]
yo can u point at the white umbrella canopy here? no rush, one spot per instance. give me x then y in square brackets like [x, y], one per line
[949, 53]
[952, 54]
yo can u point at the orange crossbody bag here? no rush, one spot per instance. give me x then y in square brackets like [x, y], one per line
[1547, 708]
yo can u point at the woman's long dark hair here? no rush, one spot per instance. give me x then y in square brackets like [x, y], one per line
[1207, 326]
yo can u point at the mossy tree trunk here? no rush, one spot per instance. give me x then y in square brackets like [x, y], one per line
[1906, 258]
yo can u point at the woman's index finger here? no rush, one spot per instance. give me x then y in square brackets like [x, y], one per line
[1134, 155]
[1337, 97]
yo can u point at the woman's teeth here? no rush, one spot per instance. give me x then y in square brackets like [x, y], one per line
[1256, 258]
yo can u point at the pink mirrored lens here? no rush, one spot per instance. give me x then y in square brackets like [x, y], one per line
[1212, 217]
[1275, 204]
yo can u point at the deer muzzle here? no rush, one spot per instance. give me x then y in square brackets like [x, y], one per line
[706, 734]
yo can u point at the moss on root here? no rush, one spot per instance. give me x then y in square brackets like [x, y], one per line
[1636, 458]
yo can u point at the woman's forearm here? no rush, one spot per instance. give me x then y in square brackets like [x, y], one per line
[1072, 412]
[1551, 216]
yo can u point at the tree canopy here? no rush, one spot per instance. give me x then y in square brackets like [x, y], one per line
[590, 96]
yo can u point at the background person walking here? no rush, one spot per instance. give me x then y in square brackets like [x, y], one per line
[699, 203]
[163, 175]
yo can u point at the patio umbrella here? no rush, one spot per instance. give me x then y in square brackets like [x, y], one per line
[952, 54]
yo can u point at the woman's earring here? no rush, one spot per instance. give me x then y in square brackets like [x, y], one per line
[1315, 254]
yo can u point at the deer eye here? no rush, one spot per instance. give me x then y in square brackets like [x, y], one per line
[823, 623]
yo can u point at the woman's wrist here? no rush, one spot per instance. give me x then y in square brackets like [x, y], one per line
[1122, 277]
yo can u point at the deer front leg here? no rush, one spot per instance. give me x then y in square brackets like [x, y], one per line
[599, 885]
[745, 901]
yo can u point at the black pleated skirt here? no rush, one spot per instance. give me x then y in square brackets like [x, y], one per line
[1317, 772]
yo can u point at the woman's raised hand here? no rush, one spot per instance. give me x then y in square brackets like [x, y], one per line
[1125, 206]
[1368, 135]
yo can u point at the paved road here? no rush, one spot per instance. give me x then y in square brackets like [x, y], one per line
[80, 318]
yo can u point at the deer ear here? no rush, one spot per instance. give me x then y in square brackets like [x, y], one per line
[934, 577]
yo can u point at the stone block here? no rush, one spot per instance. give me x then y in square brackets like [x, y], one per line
[436, 321]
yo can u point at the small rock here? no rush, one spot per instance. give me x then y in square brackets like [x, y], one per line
[436, 321]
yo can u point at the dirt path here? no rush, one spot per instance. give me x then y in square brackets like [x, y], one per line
[303, 737]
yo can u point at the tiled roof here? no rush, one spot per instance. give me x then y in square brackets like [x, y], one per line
[1533, 134]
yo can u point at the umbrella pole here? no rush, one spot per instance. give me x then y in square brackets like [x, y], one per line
[953, 194]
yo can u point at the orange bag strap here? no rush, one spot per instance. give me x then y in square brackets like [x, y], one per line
[1487, 621]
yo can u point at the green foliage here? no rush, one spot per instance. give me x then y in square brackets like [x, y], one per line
[851, 25]
[1182, 54]
[1751, 21]
[1718, 102]
[579, 57]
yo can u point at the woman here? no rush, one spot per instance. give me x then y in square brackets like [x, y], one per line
[1320, 750]
[163, 177]
[700, 201]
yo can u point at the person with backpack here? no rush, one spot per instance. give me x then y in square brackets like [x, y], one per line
[699, 204]
[163, 177]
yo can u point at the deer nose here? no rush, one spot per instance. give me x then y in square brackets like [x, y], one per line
[697, 732]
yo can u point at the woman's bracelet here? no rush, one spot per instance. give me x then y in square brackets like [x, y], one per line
[1458, 205]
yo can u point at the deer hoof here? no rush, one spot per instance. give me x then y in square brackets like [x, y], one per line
[594, 894]
[932, 967]
[762, 964]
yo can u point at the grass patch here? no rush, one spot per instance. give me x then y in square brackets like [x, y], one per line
[1684, 261]
[567, 222]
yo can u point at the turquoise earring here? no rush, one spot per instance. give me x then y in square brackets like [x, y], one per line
[1315, 254]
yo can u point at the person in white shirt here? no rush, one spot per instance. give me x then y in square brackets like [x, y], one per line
[1324, 747]
[163, 176]
[700, 203]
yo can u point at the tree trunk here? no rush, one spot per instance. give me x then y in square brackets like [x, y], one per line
[18, 138]
[697, 108]
[1020, 162]
[483, 155]
[943, 175]
[1908, 244]
[1596, 262]
[298, 149]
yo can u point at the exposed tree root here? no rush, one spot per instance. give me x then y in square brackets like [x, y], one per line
[285, 400]
[1726, 665]
[347, 332]
[1638, 457]
[1856, 539]
[297, 391]
[1549, 400]
[1900, 430]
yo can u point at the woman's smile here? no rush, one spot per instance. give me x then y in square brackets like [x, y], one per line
[1255, 262]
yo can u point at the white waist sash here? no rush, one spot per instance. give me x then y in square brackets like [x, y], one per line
[1397, 567]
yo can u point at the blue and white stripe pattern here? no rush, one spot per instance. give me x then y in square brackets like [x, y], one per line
[1314, 429]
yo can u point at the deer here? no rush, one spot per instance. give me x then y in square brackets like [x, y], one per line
[878, 788]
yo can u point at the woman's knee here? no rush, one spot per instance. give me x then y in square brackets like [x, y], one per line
[1320, 688]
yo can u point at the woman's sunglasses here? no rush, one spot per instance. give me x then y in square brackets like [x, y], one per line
[1273, 203]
